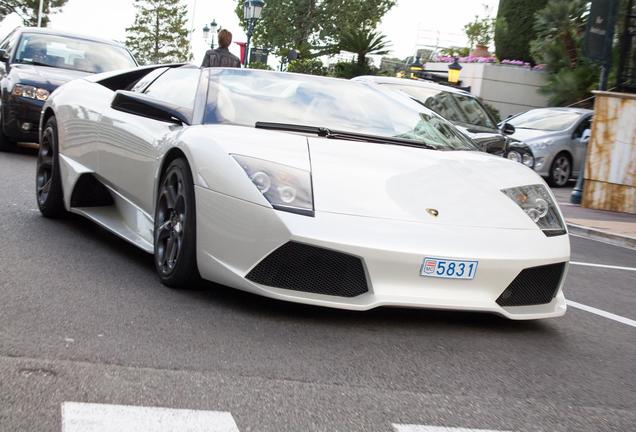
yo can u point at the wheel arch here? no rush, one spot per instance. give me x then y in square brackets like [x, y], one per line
[172, 154]
[46, 115]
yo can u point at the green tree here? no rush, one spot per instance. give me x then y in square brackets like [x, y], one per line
[480, 31]
[159, 34]
[28, 10]
[559, 29]
[363, 43]
[514, 28]
[561, 22]
[287, 24]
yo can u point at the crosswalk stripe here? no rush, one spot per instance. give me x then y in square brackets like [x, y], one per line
[88, 417]
[422, 428]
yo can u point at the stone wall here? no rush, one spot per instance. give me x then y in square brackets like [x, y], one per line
[610, 166]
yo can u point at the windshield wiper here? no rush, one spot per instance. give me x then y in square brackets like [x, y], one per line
[334, 134]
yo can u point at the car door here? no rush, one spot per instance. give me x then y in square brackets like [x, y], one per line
[578, 146]
[129, 143]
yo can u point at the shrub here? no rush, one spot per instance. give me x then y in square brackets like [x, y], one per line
[350, 70]
[309, 66]
[259, 65]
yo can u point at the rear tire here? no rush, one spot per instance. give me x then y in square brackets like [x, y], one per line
[175, 227]
[48, 182]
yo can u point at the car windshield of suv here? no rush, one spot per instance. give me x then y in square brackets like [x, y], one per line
[545, 119]
[463, 109]
[245, 97]
[70, 53]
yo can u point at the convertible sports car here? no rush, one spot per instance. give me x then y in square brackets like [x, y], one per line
[301, 188]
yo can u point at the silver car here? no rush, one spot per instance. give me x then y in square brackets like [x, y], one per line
[556, 137]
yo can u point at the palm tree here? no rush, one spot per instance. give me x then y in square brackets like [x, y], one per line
[562, 20]
[363, 42]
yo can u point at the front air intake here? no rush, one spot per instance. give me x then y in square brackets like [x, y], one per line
[300, 267]
[533, 286]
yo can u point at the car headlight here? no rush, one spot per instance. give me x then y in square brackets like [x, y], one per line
[286, 188]
[528, 160]
[536, 202]
[514, 156]
[30, 92]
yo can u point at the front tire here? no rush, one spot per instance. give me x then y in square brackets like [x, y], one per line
[175, 227]
[560, 170]
[48, 182]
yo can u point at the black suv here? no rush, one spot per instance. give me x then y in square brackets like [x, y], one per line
[34, 62]
[465, 111]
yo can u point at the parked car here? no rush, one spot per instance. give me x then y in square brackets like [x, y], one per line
[34, 62]
[556, 136]
[302, 188]
[465, 111]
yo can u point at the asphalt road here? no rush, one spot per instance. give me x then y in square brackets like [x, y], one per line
[83, 318]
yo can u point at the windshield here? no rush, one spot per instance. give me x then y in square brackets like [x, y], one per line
[545, 119]
[69, 53]
[245, 97]
[457, 108]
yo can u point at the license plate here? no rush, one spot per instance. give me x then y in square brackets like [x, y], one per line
[448, 268]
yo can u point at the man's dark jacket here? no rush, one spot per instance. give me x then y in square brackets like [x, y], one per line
[220, 57]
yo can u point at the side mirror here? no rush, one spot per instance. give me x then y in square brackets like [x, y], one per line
[145, 106]
[507, 129]
[585, 138]
[4, 55]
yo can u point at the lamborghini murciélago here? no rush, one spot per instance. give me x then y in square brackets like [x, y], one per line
[301, 188]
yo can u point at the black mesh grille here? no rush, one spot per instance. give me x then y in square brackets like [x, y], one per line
[301, 267]
[533, 286]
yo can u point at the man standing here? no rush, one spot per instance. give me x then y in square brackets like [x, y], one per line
[221, 57]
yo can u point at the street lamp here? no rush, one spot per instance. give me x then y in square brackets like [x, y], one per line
[454, 70]
[251, 13]
[212, 29]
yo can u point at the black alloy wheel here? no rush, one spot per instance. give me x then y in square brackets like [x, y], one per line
[175, 227]
[560, 171]
[48, 183]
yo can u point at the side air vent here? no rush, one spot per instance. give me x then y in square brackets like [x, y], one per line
[301, 267]
[89, 192]
[533, 286]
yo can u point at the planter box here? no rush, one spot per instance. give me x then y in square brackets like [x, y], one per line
[510, 89]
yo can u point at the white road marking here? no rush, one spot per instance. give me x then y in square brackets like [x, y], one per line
[602, 313]
[87, 417]
[603, 266]
[422, 428]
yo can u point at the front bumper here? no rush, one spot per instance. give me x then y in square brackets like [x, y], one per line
[22, 118]
[234, 236]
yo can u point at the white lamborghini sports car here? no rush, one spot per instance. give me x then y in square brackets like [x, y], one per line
[301, 188]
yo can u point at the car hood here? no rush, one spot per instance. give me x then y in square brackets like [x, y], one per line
[44, 76]
[402, 183]
[527, 135]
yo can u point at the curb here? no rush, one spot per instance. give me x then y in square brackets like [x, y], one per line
[604, 236]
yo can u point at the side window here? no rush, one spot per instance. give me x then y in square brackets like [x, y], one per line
[9, 42]
[143, 82]
[176, 86]
[585, 124]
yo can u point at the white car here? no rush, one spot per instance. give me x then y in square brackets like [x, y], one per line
[300, 188]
